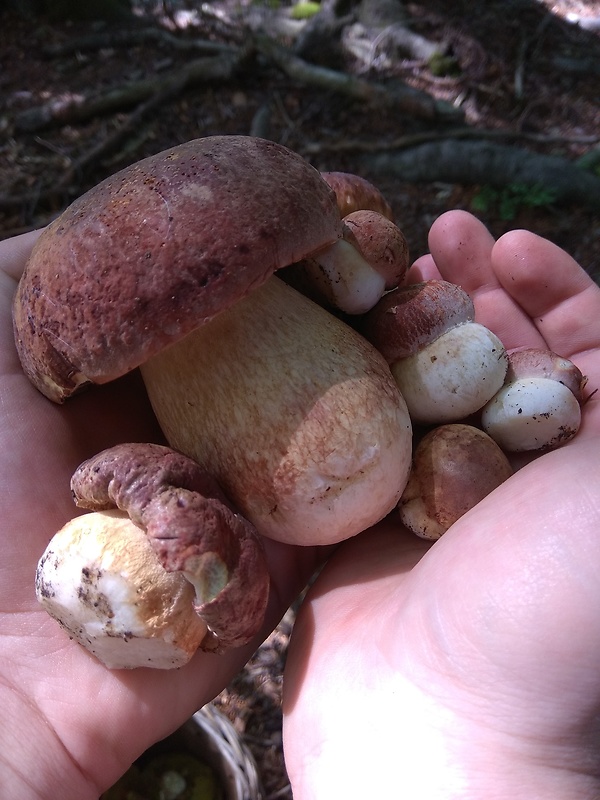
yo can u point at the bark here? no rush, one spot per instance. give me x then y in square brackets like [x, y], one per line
[77, 108]
[488, 163]
[399, 96]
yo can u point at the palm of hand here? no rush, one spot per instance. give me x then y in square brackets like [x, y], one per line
[468, 669]
[72, 726]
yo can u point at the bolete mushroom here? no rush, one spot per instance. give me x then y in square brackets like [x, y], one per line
[446, 365]
[539, 405]
[163, 564]
[454, 467]
[168, 265]
[355, 272]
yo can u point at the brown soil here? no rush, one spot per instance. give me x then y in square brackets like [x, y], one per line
[518, 66]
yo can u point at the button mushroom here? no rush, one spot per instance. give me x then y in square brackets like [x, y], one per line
[168, 265]
[446, 365]
[355, 272]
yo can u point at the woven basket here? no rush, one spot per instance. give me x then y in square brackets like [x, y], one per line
[211, 736]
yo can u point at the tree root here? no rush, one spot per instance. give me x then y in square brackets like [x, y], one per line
[488, 163]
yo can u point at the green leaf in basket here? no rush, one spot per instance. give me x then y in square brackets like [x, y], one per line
[172, 776]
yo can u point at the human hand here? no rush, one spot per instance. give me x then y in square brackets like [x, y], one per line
[70, 727]
[468, 669]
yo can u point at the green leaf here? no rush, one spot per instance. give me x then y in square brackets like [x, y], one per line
[305, 9]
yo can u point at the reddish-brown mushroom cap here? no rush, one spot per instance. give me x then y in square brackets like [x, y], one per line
[410, 317]
[354, 193]
[382, 244]
[158, 249]
[454, 467]
[192, 528]
[533, 362]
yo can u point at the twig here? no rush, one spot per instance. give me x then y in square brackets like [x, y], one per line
[411, 140]
[125, 38]
[402, 97]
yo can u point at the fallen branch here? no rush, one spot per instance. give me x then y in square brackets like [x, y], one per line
[413, 139]
[400, 96]
[126, 37]
[164, 90]
[488, 163]
[76, 108]
[130, 125]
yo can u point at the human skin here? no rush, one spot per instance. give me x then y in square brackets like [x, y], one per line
[470, 673]
[470, 668]
[70, 727]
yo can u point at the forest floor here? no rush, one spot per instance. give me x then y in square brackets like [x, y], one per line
[524, 69]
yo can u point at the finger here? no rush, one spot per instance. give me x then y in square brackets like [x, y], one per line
[462, 249]
[14, 253]
[552, 289]
[423, 269]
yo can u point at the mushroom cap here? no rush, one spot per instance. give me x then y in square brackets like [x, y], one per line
[410, 317]
[454, 467]
[160, 248]
[354, 193]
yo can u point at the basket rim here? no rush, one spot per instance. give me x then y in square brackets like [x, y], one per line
[238, 761]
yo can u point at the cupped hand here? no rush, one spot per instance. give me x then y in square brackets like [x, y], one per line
[70, 727]
[470, 668]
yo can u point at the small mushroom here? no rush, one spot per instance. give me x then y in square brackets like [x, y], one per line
[168, 265]
[354, 273]
[454, 467]
[446, 365]
[173, 569]
[539, 405]
[354, 193]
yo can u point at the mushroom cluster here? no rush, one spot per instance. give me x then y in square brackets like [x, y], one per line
[288, 402]
[168, 266]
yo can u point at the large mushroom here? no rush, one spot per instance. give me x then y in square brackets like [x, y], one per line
[168, 265]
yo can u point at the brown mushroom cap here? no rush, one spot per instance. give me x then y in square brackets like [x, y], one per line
[156, 250]
[192, 528]
[533, 362]
[408, 318]
[354, 193]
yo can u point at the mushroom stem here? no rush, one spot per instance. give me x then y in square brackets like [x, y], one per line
[353, 273]
[192, 528]
[539, 405]
[293, 412]
[100, 578]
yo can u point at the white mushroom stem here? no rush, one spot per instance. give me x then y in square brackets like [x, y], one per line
[344, 279]
[353, 273]
[295, 414]
[453, 376]
[532, 414]
[539, 406]
[446, 365]
[101, 579]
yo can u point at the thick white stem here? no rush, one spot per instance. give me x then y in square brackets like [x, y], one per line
[294, 413]
[532, 414]
[100, 578]
[453, 376]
